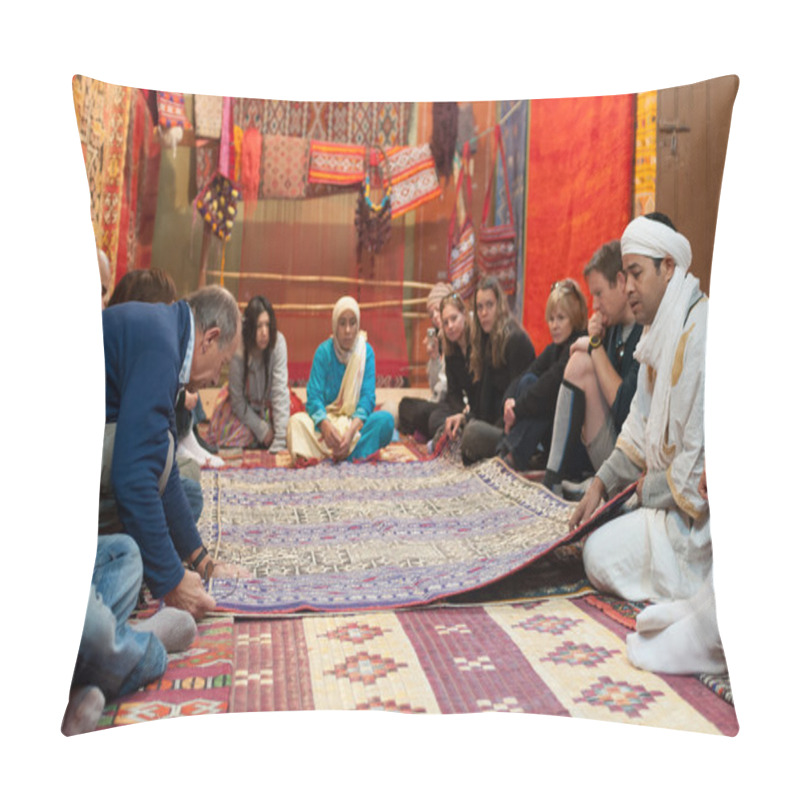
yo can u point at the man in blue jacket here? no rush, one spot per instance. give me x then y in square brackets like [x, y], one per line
[151, 352]
[600, 377]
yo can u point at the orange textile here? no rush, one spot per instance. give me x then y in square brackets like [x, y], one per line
[334, 163]
[579, 192]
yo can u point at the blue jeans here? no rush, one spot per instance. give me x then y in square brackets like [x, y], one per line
[112, 655]
[527, 433]
[194, 494]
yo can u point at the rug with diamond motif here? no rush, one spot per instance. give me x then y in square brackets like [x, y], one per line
[558, 656]
[376, 535]
[197, 681]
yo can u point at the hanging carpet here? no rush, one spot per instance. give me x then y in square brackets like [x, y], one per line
[382, 124]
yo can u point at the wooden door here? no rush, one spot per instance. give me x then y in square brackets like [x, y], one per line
[693, 123]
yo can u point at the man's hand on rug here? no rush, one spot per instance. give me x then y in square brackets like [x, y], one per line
[223, 570]
[190, 595]
[589, 503]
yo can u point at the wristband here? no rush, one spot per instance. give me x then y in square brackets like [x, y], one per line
[209, 568]
[201, 555]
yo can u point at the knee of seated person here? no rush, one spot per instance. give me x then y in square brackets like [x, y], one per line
[123, 549]
[385, 422]
[99, 627]
[468, 439]
[592, 563]
[578, 367]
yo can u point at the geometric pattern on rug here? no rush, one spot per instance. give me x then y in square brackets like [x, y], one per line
[197, 681]
[404, 450]
[465, 660]
[373, 535]
[624, 612]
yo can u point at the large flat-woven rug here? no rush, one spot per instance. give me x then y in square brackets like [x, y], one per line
[559, 656]
[373, 535]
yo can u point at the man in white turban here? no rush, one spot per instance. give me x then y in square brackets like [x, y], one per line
[661, 552]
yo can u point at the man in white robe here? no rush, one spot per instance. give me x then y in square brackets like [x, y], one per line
[661, 552]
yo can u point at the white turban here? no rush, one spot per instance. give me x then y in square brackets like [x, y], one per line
[646, 237]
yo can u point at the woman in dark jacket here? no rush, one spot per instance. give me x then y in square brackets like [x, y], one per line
[500, 351]
[530, 401]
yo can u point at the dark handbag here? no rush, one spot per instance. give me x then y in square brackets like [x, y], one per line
[497, 244]
[461, 250]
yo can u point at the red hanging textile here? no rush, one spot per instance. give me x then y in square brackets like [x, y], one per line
[251, 164]
[579, 192]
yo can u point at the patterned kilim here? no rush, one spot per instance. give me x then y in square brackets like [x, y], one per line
[208, 115]
[284, 167]
[414, 179]
[373, 535]
[557, 656]
[382, 124]
[103, 114]
[197, 681]
[337, 164]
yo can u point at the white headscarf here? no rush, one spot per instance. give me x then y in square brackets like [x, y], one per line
[657, 345]
[343, 304]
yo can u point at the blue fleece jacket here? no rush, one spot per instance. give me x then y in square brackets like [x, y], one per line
[145, 345]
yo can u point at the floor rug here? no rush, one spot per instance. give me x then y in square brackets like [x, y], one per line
[237, 457]
[197, 681]
[374, 535]
[557, 656]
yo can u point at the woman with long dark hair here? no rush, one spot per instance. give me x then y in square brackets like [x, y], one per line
[253, 410]
[500, 351]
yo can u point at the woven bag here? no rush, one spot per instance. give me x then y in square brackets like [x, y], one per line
[496, 249]
[461, 249]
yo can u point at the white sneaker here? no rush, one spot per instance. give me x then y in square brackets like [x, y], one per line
[575, 491]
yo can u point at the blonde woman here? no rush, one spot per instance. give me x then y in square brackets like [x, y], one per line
[530, 403]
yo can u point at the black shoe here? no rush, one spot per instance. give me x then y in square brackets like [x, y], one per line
[211, 448]
[538, 461]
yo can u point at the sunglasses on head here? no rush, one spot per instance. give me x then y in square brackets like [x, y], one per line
[567, 285]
